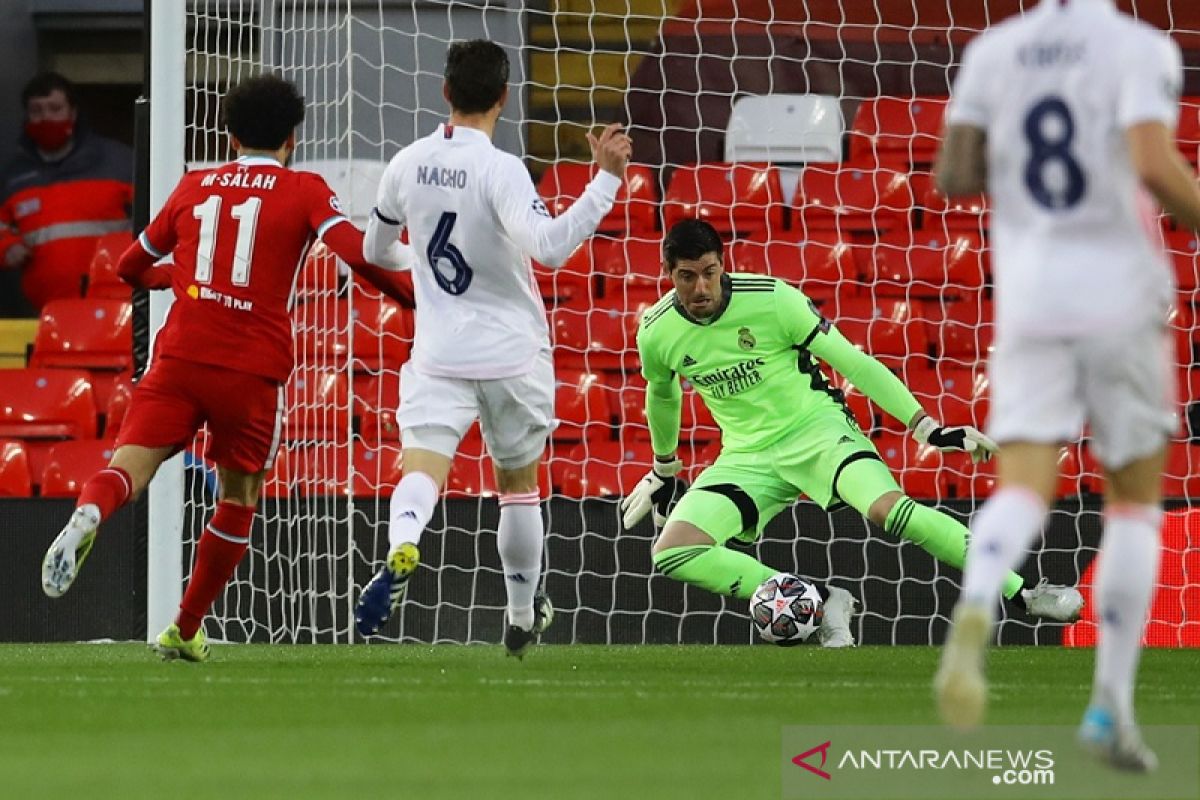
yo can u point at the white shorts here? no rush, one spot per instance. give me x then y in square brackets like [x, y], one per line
[1122, 386]
[516, 414]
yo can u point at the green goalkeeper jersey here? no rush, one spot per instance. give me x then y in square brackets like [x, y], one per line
[753, 363]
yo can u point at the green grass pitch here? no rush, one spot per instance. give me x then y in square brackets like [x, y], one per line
[111, 721]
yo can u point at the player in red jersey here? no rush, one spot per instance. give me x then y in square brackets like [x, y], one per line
[238, 235]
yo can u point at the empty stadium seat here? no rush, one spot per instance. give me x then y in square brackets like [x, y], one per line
[1183, 247]
[14, 470]
[103, 280]
[597, 339]
[376, 400]
[70, 464]
[927, 264]
[785, 129]
[950, 215]
[823, 265]
[571, 284]
[743, 198]
[317, 405]
[1182, 478]
[1188, 136]
[903, 130]
[915, 466]
[961, 331]
[46, 404]
[954, 396]
[118, 404]
[852, 198]
[696, 423]
[319, 276]
[605, 469]
[636, 261]
[887, 328]
[581, 405]
[635, 210]
[382, 335]
[96, 335]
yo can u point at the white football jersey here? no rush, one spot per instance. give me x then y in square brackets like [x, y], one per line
[474, 220]
[1077, 247]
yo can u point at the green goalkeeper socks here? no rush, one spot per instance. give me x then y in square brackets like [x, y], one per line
[938, 534]
[715, 568]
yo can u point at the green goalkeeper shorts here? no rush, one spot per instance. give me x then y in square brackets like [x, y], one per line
[741, 492]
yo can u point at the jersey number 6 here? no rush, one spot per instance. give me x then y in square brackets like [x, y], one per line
[441, 248]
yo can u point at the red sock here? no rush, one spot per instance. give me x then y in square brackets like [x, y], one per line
[221, 547]
[108, 490]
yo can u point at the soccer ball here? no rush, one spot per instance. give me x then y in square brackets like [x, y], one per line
[786, 609]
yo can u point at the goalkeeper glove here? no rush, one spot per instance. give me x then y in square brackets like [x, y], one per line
[657, 491]
[961, 438]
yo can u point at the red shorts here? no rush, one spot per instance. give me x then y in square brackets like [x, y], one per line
[244, 413]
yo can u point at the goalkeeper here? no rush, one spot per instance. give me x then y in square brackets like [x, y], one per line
[748, 344]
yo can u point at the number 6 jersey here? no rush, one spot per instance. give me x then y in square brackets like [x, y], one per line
[474, 220]
[1077, 247]
[238, 235]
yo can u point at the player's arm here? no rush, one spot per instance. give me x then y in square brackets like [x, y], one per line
[551, 240]
[815, 334]
[381, 242]
[348, 242]
[137, 264]
[961, 166]
[1149, 108]
[659, 488]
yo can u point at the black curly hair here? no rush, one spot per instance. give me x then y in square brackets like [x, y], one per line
[689, 239]
[262, 111]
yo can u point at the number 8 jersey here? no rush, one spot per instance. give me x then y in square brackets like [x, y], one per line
[474, 220]
[1076, 242]
[238, 235]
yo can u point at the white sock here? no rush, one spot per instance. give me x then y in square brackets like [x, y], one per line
[412, 505]
[519, 541]
[1125, 581]
[1000, 534]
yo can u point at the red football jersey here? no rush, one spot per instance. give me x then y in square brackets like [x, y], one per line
[238, 235]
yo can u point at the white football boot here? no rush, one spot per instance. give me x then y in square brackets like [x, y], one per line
[960, 684]
[835, 623]
[68, 550]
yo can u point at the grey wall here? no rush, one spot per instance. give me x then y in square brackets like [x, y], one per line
[18, 44]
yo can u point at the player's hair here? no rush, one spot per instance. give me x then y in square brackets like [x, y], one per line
[690, 239]
[45, 83]
[263, 111]
[476, 74]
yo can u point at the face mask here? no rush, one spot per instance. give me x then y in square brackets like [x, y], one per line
[50, 134]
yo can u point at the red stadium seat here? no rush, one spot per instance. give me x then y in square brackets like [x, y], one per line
[961, 332]
[1183, 247]
[915, 466]
[743, 197]
[118, 404]
[598, 339]
[82, 332]
[823, 266]
[14, 470]
[954, 396]
[696, 423]
[605, 469]
[383, 333]
[1181, 321]
[886, 328]
[70, 464]
[333, 470]
[472, 473]
[1188, 136]
[927, 264]
[904, 130]
[318, 405]
[571, 284]
[946, 216]
[103, 280]
[636, 207]
[852, 199]
[1182, 477]
[319, 277]
[581, 405]
[633, 264]
[376, 403]
[46, 404]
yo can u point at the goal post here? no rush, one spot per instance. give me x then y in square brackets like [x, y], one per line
[850, 216]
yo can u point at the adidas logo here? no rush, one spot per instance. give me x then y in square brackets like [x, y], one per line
[516, 577]
[407, 515]
[845, 440]
[688, 361]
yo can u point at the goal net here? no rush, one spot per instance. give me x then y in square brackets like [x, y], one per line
[805, 136]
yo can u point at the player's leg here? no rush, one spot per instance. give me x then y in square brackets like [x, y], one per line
[1036, 403]
[435, 413]
[244, 413]
[735, 498]
[1130, 403]
[517, 416]
[160, 421]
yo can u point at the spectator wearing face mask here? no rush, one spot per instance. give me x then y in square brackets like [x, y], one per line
[64, 188]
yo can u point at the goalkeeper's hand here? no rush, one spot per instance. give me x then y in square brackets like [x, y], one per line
[961, 438]
[656, 492]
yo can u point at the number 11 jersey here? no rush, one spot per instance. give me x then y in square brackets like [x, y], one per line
[238, 235]
[1077, 247]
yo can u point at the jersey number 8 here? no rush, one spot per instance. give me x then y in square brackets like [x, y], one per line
[1050, 130]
